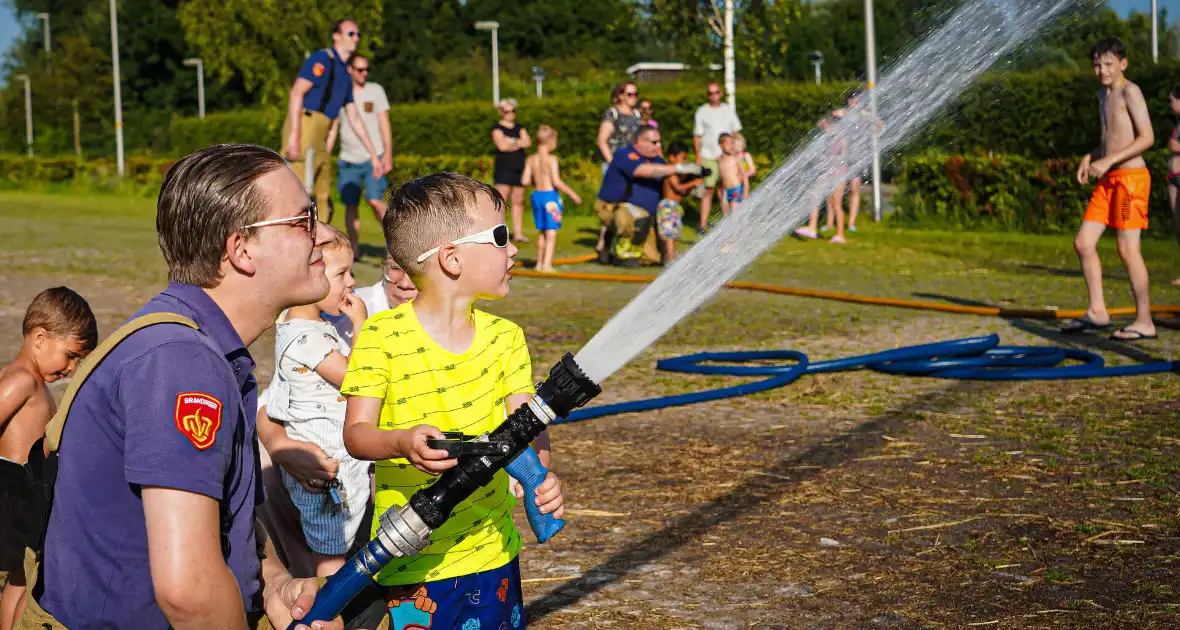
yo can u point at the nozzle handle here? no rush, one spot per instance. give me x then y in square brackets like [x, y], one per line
[527, 469]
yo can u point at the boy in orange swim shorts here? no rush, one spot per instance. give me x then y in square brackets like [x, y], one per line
[1120, 199]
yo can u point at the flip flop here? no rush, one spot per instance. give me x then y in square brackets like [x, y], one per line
[1081, 324]
[1135, 335]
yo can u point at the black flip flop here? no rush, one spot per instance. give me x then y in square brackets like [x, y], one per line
[1081, 324]
[1138, 336]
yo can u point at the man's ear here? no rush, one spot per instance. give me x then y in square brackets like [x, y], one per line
[237, 254]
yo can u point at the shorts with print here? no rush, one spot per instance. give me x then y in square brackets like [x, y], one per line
[669, 219]
[1120, 199]
[489, 600]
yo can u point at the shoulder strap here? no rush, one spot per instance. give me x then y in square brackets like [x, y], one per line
[327, 96]
[57, 424]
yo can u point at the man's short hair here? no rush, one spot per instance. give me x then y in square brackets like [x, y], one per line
[352, 60]
[545, 133]
[1109, 45]
[207, 196]
[721, 138]
[646, 131]
[676, 148]
[430, 211]
[62, 313]
[336, 240]
[339, 23]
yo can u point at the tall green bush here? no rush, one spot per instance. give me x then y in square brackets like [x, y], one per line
[1009, 192]
[1046, 114]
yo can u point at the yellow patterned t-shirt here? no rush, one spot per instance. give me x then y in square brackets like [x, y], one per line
[421, 383]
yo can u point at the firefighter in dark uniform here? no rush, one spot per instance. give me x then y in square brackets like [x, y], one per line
[323, 88]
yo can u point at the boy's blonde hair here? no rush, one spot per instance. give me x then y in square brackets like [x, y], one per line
[430, 211]
[337, 241]
[545, 133]
[62, 313]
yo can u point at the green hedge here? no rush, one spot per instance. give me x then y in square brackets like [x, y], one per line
[769, 113]
[1051, 113]
[145, 175]
[1009, 192]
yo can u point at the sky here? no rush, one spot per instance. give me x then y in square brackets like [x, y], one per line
[9, 28]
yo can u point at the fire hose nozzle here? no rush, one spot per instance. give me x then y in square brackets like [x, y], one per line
[567, 387]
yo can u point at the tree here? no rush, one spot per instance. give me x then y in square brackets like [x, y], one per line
[265, 41]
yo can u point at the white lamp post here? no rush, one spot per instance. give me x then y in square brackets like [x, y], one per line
[196, 61]
[817, 60]
[1155, 31]
[28, 111]
[494, 27]
[44, 17]
[539, 76]
[871, 50]
[118, 96]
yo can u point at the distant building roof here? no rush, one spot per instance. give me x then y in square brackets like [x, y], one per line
[657, 65]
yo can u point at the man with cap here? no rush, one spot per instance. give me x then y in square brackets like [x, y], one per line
[323, 88]
[152, 523]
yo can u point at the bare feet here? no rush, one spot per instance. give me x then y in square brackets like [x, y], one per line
[1176, 282]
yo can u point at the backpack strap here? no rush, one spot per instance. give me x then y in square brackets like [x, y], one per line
[327, 95]
[54, 430]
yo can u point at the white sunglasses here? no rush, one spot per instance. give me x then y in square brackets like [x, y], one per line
[497, 236]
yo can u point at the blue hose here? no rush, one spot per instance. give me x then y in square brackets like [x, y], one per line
[973, 358]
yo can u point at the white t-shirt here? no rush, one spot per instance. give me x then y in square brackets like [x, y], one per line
[709, 123]
[312, 408]
[370, 101]
[374, 298]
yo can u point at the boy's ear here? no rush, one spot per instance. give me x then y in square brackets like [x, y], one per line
[1123, 64]
[40, 337]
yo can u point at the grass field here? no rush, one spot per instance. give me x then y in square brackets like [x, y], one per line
[945, 504]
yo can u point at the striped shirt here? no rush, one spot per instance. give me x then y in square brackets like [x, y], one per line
[421, 383]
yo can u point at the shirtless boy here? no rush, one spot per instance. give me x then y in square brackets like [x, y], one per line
[58, 330]
[669, 214]
[544, 175]
[1174, 167]
[1120, 199]
[734, 181]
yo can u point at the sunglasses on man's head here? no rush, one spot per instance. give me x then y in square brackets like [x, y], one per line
[310, 218]
[497, 235]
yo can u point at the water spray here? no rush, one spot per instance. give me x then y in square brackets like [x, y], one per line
[405, 531]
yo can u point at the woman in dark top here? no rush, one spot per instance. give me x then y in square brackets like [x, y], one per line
[511, 140]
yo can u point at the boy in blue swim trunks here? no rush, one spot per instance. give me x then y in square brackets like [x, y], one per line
[544, 175]
[734, 180]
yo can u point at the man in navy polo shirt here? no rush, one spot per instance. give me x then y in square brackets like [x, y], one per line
[322, 89]
[630, 195]
[152, 522]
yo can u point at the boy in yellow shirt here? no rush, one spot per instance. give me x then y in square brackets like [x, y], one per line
[436, 364]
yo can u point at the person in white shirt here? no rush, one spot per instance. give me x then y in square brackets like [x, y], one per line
[711, 120]
[355, 167]
[305, 460]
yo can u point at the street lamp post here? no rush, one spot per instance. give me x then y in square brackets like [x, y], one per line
[44, 17]
[118, 96]
[871, 62]
[196, 61]
[1155, 31]
[817, 60]
[494, 27]
[28, 111]
[539, 76]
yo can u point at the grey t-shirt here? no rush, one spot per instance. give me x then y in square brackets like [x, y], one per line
[626, 127]
[370, 101]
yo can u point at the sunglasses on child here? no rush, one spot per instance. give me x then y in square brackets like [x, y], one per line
[310, 217]
[497, 236]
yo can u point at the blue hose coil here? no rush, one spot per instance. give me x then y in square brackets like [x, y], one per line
[972, 358]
